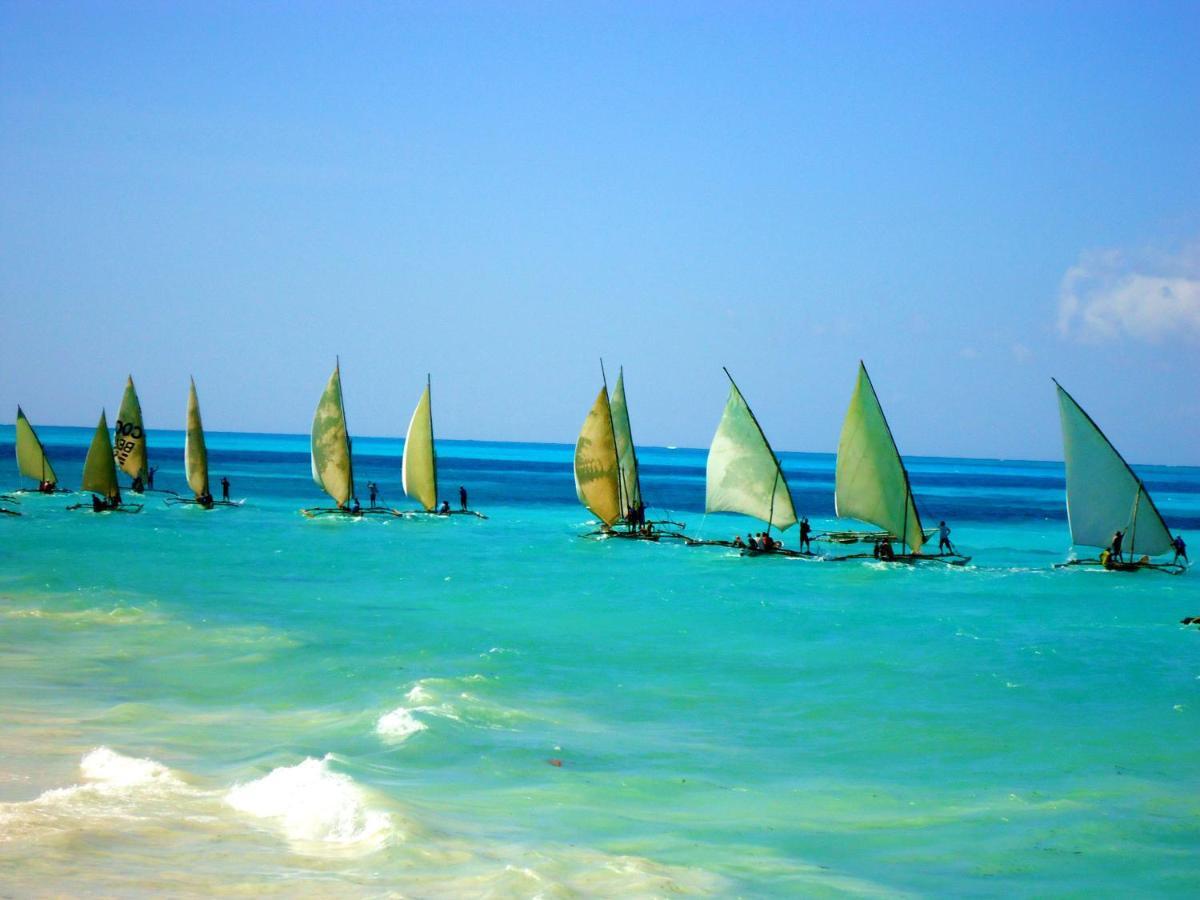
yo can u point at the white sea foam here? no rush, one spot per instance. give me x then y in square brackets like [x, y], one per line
[314, 805]
[105, 767]
[398, 725]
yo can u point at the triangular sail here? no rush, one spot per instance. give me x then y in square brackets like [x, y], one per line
[331, 466]
[630, 485]
[99, 468]
[1103, 493]
[418, 470]
[744, 475]
[195, 454]
[31, 455]
[129, 436]
[871, 481]
[596, 481]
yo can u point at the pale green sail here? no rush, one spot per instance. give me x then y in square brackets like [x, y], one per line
[195, 454]
[418, 470]
[99, 468]
[871, 481]
[331, 465]
[596, 481]
[743, 473]
[631, 488]
[31, 455]
[129, 437]
[1103, 493]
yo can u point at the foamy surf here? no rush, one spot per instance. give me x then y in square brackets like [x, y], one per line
[314, 806]
[398, 725]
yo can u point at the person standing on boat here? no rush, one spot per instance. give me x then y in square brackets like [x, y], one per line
[1180, 548]
[150, 477]
[462, 498]
[373, 488]
[225, 489]
[1115, 548]
[805, 535]
[944, 544]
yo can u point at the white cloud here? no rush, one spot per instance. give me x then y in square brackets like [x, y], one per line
[1148, 296]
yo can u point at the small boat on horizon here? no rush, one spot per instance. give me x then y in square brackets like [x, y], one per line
[195, 459]
[1106, 497]
[418, 466]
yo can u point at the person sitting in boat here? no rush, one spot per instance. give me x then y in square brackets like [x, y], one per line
[356, 509]
[444, 510]
[462, 498]
[225, 489]
[46, 487]
[1114, 548]
[751, 542]
[944, 545]
[805, 535]
[884, 551]
[765, 542]
[205, 500]
[138, 486]
[1180, 548]
[738, 542]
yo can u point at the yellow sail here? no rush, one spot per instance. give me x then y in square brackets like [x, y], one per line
[871, 481]
[596, 482]
[631, 488]
[1103, 493]
[129, 437]
[195, 454]
[418, 470]
[99, 469]
[31, 455]
[743, 473]
[331, 465]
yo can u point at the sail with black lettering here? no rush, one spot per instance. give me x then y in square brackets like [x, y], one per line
[129, 436]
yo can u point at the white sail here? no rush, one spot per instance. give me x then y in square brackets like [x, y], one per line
[596, 478]
[331, 462]
[418, 469]
[871, 483]
[195, 453]
[1103, 493]
[743, 474]
[631, 488]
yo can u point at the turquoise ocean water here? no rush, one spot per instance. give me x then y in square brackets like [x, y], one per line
[245, 701]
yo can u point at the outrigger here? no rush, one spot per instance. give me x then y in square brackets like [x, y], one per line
[195, 460]
[100, 475]
[607, 482]
[1106, 498]
[871, 484]
[418, 468]
[332, 463]
[744, 475]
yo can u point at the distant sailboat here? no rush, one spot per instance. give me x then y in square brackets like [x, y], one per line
[332, 463]
[129, 438]
[100, 475]
[743, 473]
[607, 481]
[871, 483]
[418, 468]
[1104, 496]
[32, 461]
[195, 458]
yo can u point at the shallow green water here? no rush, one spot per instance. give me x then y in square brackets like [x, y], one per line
[316, 707]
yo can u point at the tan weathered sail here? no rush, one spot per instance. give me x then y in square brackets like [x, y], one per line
[129, 436]
[871, 481]
[99, 468]
[195, 453]
[631, 487]
[596, 479]
[743, 473]
[31, 455]
[418, 469]
[1103, 493]
[332, 469]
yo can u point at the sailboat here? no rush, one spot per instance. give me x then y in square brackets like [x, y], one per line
[32, 461]
[195, 459]
[129, 438]
[743, 474]
[1104, 496]
[607, 482]
[418, 468]
[332, 464]
[871, 483]
[100, 475]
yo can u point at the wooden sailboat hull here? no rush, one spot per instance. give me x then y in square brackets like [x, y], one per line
[864, 537]
[1136, 566]
[123, 508]
[321, 512]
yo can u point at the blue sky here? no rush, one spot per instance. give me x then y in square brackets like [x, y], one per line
[970, 197]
